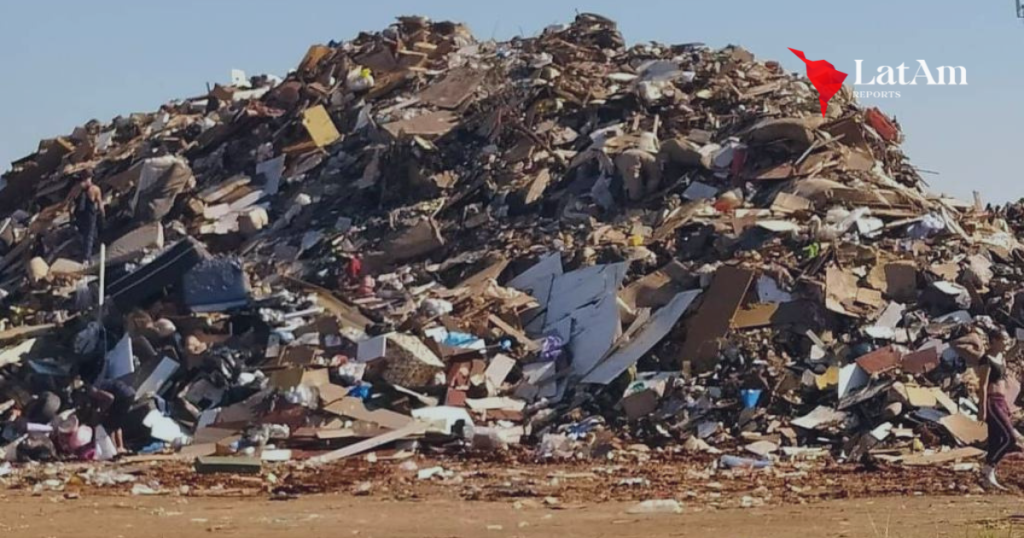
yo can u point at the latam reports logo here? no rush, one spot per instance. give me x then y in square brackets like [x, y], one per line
[825, 77]
[828, 80]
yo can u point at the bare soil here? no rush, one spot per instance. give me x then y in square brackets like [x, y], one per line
[346, 516]
[508, 498]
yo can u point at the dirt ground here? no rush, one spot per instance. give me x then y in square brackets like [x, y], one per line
[343, 515]
[508, 498]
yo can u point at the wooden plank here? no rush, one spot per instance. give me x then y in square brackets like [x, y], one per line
[26, 331]
[943, 457]
[223, 464]
[350, 315]
[344, 433]
[525, 341]
[492, 271]
[215, 193]
[410, 430]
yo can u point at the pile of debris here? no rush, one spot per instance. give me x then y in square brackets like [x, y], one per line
[423, 241]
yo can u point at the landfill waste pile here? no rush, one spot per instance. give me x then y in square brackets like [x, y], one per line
[418, 241]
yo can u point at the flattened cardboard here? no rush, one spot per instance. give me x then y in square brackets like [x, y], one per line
[821, 417]
[418, 240]
[787, 204]
[219, 191]
[939, 458]
[901, 278]
[497, 403]
[453, 90]
[533, 190]
[293, 377]
[713, 318]
[880, 360]
[320, 126]
[840, 291]
[772, 315]
[430, 125]
[946, 271]
[656, 289]
[298, 355]
[921, 361]
[869, 297]
[921, 397]
[242, 413]
[964, 429]
[491, 272]
[897, 280]
[499, 369]
[356, 409]
[313, 57]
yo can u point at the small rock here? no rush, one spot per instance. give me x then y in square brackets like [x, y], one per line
[657, 506]
[430, 472]
[363, 489]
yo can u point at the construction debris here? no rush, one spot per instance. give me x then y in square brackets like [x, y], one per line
[419, 240]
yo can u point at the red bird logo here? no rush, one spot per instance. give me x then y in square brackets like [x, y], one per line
[826, 78]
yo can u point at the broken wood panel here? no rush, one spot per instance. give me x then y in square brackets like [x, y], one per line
[430, 125]
[453, 89]
[714, 317]
[773, 315]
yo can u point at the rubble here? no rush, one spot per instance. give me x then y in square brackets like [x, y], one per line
[418, 241]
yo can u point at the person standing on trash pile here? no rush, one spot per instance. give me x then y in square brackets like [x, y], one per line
[1003, 438]
[110, 402]
[86, 202]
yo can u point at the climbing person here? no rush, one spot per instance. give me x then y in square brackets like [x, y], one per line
[112, 401]
[86, 200]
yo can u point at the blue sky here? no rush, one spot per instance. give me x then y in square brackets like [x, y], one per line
[64, 62]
